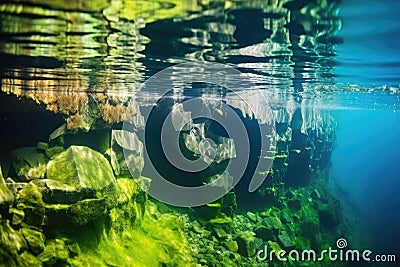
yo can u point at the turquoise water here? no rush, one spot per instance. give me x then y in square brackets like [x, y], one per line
[311, 120]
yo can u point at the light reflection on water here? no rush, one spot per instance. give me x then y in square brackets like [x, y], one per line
[291, 50]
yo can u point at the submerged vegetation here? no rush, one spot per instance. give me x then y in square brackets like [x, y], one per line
[64, 204]
[72, 198]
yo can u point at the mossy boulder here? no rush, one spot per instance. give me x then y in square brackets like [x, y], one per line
[285, 241]
[209, 211]
[83, 171]
[11, 243]
[264, 233]
[232, 245]
[6, 197]
[29, 163]
[26, 259]
[17, 216]
[273, 222]
[80, 187]
[132, 189]
[56, 192]
[55, 253]
[76, 215]
[35, 240]
[82, 168]
[246, 244]
[29, 199]
[228, 204]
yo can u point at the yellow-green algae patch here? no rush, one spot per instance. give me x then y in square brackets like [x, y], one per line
[132, 237]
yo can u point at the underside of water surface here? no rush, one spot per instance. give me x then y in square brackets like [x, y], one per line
[195, 133]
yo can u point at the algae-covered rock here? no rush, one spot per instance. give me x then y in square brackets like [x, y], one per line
[275, 247]
[264, 233]
[86, 211]
[219, 232]
[17, 216]
[132, 189]
[273, 223]
[42, 146]
[285, 240]
[209, 211]
[56, 192]
[35, 240]
[11, 241]
[82, 168]
[246, 244]
[29, 199]
[77, 214]
[55, 253]
[228, 204]
[51, 152]
[29, 163]
[232, 245]
[6, 197]
[252, 216]
[26, 259]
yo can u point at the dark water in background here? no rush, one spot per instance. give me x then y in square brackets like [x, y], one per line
[291, 55]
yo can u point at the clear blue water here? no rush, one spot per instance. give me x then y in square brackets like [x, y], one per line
[365, 165]
[366, 161]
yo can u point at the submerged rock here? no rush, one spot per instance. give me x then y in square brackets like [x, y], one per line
[11, 241]
[26, 259]
[17, 216]
[209, 211]
[77, 214]
[6, 197]
[35, 240]
[85, 171]
[29, 163]
[80, 187]
[264, 233]
[82, 168]
[246, 244]
[232, 245]
[55, 253]
[29, 199]
[285, 240]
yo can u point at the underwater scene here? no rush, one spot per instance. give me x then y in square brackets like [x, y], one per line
[199, 133]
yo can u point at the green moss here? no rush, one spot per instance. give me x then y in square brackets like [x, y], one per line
[158, 240]
[29, 199]
[246, 244]
[26, 259]
[6, 197]
[35, 240]
[223, 221]
[275, 247]
[232, 245]
[55, 253]
[81, 167]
